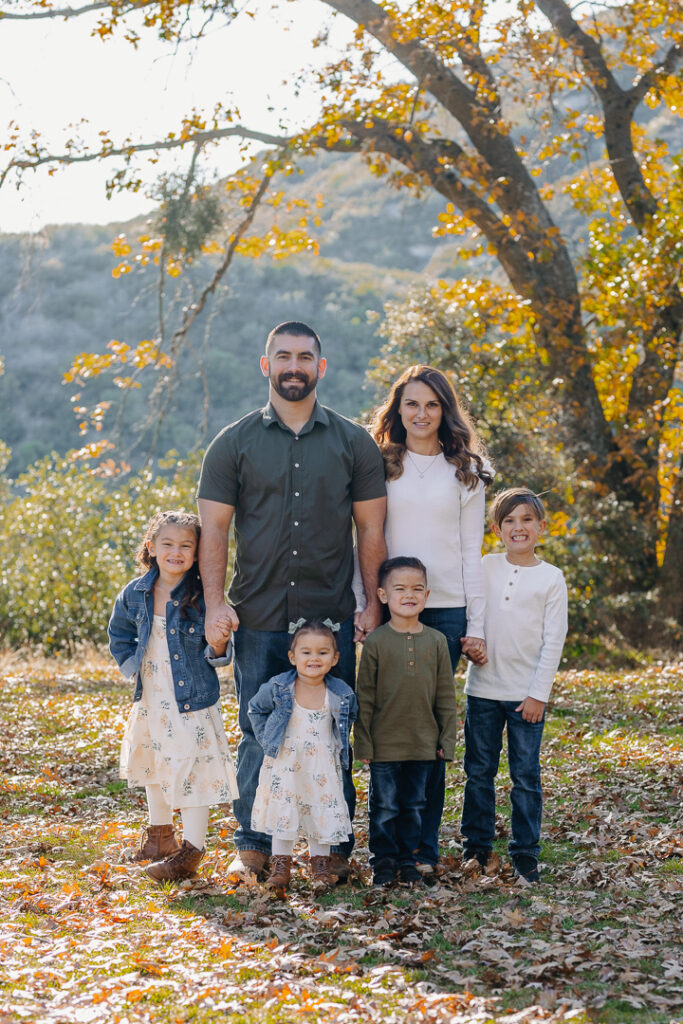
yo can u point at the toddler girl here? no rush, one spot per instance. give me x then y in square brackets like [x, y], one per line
[302, 720]
[174, 743]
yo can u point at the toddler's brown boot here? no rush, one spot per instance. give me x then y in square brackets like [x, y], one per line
[156, 842]
[321, 876]
[179, 865]
[280, 871]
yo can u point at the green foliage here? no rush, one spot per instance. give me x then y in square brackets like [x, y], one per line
[68, 537]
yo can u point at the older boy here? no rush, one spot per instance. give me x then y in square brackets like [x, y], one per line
[526, 623]
[406, 718]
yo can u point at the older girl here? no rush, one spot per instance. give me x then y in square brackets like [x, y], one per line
[174, 744]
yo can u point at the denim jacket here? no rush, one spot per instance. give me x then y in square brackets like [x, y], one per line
[192, 660]
[271, 709]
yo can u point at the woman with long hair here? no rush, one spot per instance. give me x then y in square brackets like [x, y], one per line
[436, 472]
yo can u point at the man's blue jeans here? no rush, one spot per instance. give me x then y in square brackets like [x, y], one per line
[452, 622]
[484, 724]
[395, 804]
[259, 655]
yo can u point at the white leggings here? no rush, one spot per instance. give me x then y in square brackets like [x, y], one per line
[195, 819]
[286, 847]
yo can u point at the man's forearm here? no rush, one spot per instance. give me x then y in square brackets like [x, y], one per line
[372, 551]
[213, 563]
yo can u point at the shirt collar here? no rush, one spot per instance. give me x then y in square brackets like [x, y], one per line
[270, 417]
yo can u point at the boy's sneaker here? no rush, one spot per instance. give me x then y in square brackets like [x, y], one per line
[384, 873]
[409, 874]
[480, 855]
[526, 867]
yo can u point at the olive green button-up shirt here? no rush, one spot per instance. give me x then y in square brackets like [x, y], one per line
[292, 495]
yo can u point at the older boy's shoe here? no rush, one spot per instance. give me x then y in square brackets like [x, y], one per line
[384, 873]
[280, 871]
[339, 866]
[249, 866]
[409, 874]
[526, 867]
[178, 866]
[156, 842]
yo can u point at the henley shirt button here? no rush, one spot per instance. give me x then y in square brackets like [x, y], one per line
[411, 662]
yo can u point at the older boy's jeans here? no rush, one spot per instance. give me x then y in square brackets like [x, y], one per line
[452, 622]
[484, 724]
[259, 655]
[395, 804]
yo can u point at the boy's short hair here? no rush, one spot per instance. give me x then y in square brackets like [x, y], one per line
[505, 501]
[400, 562]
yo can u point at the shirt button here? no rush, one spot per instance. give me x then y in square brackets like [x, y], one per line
[295, 552]
[173, 631]
[411, 662]
[296, 494]
[296, 522]
[181, 682]
[507, 598]
[510, 583]
[296, 465]
[291, 583]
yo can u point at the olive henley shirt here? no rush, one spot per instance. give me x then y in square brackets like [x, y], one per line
[292, 495]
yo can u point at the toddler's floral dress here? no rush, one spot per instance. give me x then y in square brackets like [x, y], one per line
[300, 792]
[186, 753]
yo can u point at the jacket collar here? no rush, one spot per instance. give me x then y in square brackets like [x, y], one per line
[147, 581]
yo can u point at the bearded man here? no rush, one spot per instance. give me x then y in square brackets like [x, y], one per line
[295, 476]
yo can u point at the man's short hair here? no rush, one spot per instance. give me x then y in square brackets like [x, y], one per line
[505, 501]
[400, 562]
[295, 328]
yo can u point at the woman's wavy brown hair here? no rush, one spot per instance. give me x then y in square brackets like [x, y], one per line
[458, 438]
[192, 579]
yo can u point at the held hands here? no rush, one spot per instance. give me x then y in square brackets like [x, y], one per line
[474, 648]
[532, 709]
[219, 624]
[364, 622]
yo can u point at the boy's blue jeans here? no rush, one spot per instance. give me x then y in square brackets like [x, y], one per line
[484, 724]
[398, 793]
[452, 622]
[259, 655]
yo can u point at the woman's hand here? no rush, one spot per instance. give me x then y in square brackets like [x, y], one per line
[474, 648]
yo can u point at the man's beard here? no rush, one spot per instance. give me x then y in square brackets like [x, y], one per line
[285, 387]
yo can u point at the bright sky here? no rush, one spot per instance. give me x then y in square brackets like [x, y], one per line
[53, 73]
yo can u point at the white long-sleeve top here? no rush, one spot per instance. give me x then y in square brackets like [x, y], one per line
[526, 624]
[435, 518]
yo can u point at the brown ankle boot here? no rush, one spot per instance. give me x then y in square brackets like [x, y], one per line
[321, 876]
[280, 871]
[179, 865]
[156, 842]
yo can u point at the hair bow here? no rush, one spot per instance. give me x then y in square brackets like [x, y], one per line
[293, 626]
[334, 626]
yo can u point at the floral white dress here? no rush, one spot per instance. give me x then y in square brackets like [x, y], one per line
[300, 791]
[186, 753]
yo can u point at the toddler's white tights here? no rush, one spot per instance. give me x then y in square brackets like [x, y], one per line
[195, 819]
[286, 847]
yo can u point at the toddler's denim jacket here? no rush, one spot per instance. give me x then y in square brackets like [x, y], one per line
[192, 659]
[271, 709]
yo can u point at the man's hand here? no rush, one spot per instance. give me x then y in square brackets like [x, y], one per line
[364, 622]
[219, 623]
[474, 648]
[532, 709]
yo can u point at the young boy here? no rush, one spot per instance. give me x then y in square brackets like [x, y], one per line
[526, 623]
[406, 718]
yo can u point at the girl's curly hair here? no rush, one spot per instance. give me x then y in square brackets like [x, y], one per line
[192, 579]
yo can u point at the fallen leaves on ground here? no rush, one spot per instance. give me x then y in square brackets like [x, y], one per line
[87, 937]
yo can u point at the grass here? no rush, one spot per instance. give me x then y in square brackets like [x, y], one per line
[88, 937]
